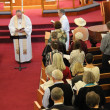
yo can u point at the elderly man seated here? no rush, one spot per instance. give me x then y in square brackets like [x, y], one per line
[57, 96]
[57, 76]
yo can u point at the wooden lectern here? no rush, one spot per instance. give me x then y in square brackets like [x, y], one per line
[105, 10]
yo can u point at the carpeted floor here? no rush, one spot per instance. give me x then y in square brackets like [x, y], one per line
[18, 89]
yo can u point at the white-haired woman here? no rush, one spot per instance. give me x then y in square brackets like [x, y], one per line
[59, 64]
[80, 22]
[79, 36]
[48, 70]
[89, 80]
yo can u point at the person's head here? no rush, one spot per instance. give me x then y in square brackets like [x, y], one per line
[88, 77]
[54, 36]
[77, 45]
[57, 94]
[108, 25]
[49, 69]
[61, 12]
[54, 45]
[92, 99]
[57, 25]
[89, 58]
[80, 22]
[19, 14]
[58, 61]
[78, 36]
[77, 68]
[57, 75]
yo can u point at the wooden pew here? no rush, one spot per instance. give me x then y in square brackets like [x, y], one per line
[107, 99]
[42, 81]
[105, 86]
[104, 78]
[106, 89]
[37, 106]
[105, 10]
[92, 49]
[105, 75]
[43, 75]
[97, 57]
[41, 89]
[47, 36]
[39, 96]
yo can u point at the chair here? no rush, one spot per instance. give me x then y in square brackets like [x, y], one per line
[105, 10]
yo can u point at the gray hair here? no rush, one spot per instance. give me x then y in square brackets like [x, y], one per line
[49, 69]
[88, 77]
[57, 74]
[56, 93]
[62, 11]
[19, 11]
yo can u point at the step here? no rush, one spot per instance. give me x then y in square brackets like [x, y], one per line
[50, 25]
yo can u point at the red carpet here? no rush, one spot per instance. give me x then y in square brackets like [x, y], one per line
[18, 89]
[36, 17]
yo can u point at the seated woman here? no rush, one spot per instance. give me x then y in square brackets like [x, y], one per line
[62, 37]
[48, 71]
[80, 99]
[49, 56]
[77, 72]
[48, 47]
[77, 55]
[90, 67]
[58, 63]
[80, 22]
[79, 36]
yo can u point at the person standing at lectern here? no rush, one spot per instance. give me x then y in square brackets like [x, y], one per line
[20, 24]
[65, 25]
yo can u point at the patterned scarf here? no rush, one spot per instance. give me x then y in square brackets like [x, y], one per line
[24, 33]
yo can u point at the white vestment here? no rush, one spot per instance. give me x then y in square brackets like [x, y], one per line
[28, 31]
[65, 26]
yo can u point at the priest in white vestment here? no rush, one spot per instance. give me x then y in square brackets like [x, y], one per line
[65, 25]
[20, 24]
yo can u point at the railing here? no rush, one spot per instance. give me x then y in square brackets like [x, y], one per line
[82, 3]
